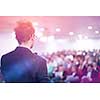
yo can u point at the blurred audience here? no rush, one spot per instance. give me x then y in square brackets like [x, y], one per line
[71, 66]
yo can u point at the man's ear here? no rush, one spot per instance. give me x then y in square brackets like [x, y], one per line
[32, 37]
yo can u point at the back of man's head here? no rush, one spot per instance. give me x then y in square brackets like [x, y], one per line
[24, 31]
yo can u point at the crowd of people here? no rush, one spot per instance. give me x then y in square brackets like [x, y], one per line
[71, 66]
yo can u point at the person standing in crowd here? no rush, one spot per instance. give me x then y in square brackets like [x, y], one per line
[21, 65]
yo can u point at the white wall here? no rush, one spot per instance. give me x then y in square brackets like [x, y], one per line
[8, 43]
[77, 45]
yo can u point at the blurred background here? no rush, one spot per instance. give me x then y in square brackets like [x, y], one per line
[70, 44]
[53, 33]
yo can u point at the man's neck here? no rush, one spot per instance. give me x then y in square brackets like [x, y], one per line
[25, 46]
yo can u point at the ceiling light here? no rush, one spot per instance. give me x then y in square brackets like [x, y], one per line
[97, 32]
[71, 33]
[58, 29]
[89, 27]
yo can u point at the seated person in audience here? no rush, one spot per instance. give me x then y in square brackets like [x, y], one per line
[73, 77]
[95, 73]
[87, 78]
[50, 66]
[58, 73]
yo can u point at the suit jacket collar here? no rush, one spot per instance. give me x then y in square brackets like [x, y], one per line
[23, 49]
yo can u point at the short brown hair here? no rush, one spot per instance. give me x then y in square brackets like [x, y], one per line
[24, 31]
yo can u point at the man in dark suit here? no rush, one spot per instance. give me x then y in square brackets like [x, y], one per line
[21, 65]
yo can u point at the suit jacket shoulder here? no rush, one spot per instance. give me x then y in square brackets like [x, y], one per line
[25, 59]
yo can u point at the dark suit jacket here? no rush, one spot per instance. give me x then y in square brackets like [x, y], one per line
[22, 66]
